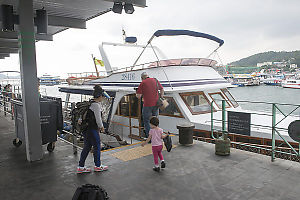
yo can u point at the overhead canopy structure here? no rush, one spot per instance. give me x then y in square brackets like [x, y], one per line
[26, 21]
[61, 14]
[188, 33]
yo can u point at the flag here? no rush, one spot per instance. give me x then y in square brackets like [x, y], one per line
[98, 62]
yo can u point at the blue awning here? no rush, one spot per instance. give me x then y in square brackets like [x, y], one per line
[76, 91]
[189, 33]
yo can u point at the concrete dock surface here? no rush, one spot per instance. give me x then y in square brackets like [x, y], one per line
[193, 172]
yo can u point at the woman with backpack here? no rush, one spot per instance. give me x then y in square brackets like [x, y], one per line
[91, 135]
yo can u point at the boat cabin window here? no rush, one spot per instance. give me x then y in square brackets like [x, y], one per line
[128, 106]
[230, 97]
[217, 98]
[172, 110]
[197, 102]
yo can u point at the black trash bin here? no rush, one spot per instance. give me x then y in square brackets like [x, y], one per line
[186, 133]
[51, 121]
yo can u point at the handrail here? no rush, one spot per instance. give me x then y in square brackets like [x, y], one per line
[274, 127]
[256, 146]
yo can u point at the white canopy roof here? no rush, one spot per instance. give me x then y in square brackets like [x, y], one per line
[62, 14]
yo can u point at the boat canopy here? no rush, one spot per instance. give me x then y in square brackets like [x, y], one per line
[169, 32]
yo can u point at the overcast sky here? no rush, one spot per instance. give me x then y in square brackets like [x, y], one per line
[247, 27]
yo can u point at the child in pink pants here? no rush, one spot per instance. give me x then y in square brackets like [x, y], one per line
[156, 135]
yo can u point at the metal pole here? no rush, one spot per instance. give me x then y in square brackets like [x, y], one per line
[211, 120]
[142, 51]
[74, 137]
[4, 104]
[30, 94]
[273, 131]
[224, 120]
[95, 65]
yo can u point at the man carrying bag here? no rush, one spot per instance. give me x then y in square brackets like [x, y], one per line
[149, 90]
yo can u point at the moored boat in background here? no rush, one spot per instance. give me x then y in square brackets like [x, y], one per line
[291, 83]
[49, 80]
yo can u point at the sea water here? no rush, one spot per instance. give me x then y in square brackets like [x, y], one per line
[268, 94]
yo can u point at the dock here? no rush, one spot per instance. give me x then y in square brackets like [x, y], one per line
[192, 172]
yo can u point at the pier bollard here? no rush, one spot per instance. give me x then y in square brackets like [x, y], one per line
[186, 134]
[222, 147]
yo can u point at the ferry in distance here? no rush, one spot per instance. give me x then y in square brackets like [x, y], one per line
[49, 80]
[292, 82]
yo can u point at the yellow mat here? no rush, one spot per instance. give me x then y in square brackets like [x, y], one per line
[135, 153]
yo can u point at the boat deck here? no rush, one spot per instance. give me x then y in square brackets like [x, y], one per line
[193, 172]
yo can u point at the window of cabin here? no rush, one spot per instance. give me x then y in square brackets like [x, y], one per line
[124, 106]
[217, 98]
[230, 97]
[128, 106]
[134, 105]
[197, 102]
[171, 110]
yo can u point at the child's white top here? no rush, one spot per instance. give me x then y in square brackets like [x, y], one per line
[156, 134]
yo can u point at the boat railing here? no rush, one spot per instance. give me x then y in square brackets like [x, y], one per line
[276, 147]
[6, 97]
[80, 78]
[169, 62]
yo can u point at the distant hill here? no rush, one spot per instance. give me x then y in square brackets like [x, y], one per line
[270, 56]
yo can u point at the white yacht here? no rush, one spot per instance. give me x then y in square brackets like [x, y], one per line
[192, 87]
[291, 83]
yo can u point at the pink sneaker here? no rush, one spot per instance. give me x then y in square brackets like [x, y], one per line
[101, 168]
[81, 170]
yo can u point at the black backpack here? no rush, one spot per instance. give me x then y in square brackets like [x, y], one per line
[80, 112]
[90, 192]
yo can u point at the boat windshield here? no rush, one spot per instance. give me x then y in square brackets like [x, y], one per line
[172, 62]
[184, 62]
[230, 97]
[217, 98]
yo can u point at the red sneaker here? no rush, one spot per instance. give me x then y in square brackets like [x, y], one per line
[81, 170]
[101, 168]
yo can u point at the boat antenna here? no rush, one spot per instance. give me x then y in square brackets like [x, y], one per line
[161, 67]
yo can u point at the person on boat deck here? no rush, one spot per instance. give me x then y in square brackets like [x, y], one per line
[148, 88]
[91, 135]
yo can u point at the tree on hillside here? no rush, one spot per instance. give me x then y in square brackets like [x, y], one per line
[271, 56]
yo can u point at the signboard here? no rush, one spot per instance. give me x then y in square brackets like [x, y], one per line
[239, 122]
